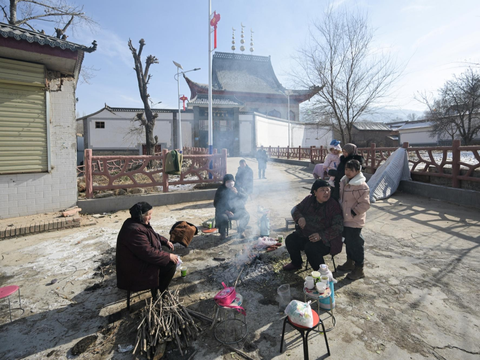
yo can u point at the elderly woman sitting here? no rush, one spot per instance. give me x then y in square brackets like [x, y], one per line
[141, 262]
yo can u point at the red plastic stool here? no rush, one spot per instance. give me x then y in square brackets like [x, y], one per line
[6, 291]
[302, 330]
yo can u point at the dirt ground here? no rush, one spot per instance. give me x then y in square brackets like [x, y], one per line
[419, 300]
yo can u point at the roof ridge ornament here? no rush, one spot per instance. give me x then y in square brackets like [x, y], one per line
[251, 41]
[233, 39]
[242, 40]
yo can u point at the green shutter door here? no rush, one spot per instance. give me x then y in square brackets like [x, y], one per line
[23, 128]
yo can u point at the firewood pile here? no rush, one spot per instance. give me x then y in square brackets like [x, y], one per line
[164, 320]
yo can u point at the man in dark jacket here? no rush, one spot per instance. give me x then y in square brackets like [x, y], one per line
[349, 153]
[229, 205]
[244, 177]
[262, 158]
[318, 229]
[141, 263]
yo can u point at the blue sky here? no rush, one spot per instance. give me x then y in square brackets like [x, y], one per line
[431, 39]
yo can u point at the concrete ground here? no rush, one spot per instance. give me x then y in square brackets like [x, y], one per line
[419, 300]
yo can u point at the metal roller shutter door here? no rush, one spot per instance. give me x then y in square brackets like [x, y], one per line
[23, 128]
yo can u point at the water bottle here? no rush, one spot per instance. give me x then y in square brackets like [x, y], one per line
[264, 225]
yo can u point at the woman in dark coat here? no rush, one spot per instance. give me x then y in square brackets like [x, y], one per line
[141, 262]
[229, 205]
[349, 153]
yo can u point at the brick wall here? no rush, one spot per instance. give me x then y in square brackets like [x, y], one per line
[28, 194]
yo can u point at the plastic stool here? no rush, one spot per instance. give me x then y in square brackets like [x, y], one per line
[6, 291]
[302, 330]
[226, 327]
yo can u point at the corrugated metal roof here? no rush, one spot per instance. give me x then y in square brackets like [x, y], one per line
[416, 125]
[371, 125]
[18, 33]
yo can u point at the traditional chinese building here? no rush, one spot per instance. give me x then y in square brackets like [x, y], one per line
[241, 85]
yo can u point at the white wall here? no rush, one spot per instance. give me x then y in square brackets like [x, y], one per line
[27, 194]
[246, 131]
[274, 132]
[417, 136]
[121, 133]
[270, 131]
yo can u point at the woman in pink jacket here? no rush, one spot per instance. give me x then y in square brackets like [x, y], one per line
[355, 201]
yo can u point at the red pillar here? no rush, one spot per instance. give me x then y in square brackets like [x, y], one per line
[164, 174]
[372, 149]
[455, 163]
[87, 161]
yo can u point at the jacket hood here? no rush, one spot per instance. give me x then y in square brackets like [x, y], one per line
[358, 179]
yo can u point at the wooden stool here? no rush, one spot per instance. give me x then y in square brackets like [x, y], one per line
[6, 291]
[304, 331]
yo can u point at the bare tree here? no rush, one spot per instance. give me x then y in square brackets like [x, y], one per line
[143, 77]
[28, 13]
[457, 108]
[354, 77]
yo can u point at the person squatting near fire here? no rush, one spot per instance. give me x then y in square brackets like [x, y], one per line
[229, 205]
[318, 228]
[349, 153]
[355, 201]
[141, 263]
[331, 161]
[244, 177]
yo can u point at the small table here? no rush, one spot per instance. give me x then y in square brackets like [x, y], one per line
[313, 294]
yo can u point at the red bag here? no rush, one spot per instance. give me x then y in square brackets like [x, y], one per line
[226, 297]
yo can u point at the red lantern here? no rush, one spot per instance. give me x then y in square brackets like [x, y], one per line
[214, 22]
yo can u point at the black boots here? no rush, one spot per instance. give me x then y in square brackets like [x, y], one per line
[348, 266]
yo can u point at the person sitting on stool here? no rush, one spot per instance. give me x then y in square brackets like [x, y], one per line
[141, 263]
[318, 228]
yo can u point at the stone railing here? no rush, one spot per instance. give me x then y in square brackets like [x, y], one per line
[123, 172]
[455, 163]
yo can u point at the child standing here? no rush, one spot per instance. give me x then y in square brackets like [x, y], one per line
[355, 201]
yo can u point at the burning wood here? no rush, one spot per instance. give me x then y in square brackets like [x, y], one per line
[165, 319]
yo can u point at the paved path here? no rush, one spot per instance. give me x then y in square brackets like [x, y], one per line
[420, 299]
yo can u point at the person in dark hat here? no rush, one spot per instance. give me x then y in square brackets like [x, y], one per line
[229, 205]
[318, 228]
[141, 263]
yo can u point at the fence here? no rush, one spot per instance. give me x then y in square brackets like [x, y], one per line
[456, 163]
[123, 172]
[315, 155]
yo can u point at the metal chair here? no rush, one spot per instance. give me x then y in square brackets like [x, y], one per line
[304, 331]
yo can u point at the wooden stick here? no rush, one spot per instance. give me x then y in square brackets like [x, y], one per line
[239, 352]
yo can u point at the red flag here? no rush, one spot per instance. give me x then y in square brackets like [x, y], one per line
[214, 22]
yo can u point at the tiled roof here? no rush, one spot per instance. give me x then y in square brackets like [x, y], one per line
[10, 31]
[371, 125]
[218, 100]
[136, 110]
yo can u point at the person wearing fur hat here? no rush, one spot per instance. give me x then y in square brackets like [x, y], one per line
[349, 153]
[331, 161]
[318, 228]
[355, 201]
[229, 205]
[141, 263]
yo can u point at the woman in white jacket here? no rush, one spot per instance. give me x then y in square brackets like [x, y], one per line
[355, 201]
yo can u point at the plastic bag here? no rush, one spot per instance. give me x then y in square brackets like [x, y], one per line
[300, 313]
[264, 242]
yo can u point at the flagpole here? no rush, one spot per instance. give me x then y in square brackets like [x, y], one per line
[210, 117]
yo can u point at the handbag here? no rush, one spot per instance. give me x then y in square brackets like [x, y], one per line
[226, 297]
